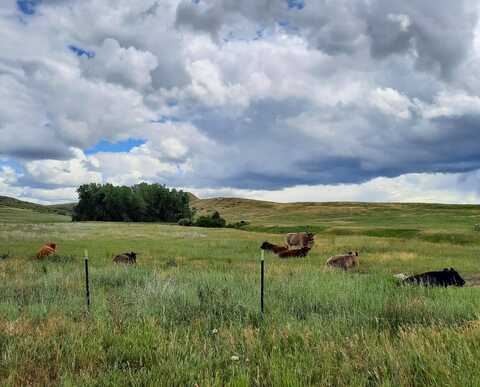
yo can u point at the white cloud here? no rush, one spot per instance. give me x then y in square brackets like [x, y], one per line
[128, 66]
[421, 188]
[403, 20]
[452, 104]
[71, 173]
[391, 102]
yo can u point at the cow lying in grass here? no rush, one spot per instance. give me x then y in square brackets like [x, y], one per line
[299, 240]
[130, 258]
[446, 277]
[276, 249]
[284, 251]
[344, 261]
[46, 250]
[294, 253]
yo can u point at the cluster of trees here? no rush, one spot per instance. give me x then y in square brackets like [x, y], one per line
[139, 203]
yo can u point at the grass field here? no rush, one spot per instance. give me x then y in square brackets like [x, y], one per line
[188, 313]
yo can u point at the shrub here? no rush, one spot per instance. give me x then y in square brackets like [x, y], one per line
[185, 222]
[214, 220]
[240, 224]
[476, 227]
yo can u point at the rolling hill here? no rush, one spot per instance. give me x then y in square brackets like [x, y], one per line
[18, 211]
[373, 219]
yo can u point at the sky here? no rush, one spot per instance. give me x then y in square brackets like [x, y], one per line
[282, 100]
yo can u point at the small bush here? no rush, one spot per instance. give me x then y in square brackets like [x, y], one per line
[185, 222]
[240, 224]
[476, 227]
[214, 220]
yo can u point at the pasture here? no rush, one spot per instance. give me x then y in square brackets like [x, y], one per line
[188, 312]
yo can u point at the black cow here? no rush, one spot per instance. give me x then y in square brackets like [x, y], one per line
[446, 277]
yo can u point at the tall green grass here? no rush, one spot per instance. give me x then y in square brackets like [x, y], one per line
[188, 313]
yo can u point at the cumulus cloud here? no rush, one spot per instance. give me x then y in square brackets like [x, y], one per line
[252, 96]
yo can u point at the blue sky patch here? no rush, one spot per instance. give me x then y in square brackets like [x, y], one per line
[27, 7]
[80, 51]
[296, 4]
[11, 163]
[114, 147]
[287, 26]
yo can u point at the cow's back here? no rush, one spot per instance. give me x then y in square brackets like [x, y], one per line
[45, 251]
[343, 261]
[122, 258]
[299, 239]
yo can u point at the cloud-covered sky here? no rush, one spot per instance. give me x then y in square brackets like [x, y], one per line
[287, 100]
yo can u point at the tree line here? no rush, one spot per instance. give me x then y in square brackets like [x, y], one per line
[139, 203]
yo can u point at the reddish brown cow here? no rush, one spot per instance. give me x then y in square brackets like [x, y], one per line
[46, 250]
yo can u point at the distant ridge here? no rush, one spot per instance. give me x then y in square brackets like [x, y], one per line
[60, 209]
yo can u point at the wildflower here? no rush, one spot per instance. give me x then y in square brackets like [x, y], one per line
[214, 331]
[235, 358]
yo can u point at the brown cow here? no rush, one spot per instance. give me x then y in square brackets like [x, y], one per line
[130, 258]
[344, 261]
[298, 240]
[295, 253]
[46, 250]
[273, 248]
[284, 251]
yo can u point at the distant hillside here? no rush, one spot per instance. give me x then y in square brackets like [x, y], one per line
[18, 211]
[331, 218]
[339, 218]
[61, 209]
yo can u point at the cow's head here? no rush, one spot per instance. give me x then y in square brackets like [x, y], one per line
[52, 245]
[455, 278]
[265, 245]
[133, 256]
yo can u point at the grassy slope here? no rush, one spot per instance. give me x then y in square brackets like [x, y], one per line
[154, 324]
[18, 211]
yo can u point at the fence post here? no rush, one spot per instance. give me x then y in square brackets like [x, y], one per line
[87, 284]
[262, 280]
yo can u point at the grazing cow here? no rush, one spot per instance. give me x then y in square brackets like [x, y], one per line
[299, 240]
[295, 253]
[446, 277]
[46, 250]
[273, 248]
[130, 258]
[344, 261]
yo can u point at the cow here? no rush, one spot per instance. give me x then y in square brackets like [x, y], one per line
[46, 250]
[344, 261]
[295, 253]
[446, 277]
[130, 258]
[299, 239]
[273, 248]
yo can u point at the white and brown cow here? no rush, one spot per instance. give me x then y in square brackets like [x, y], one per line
[298, 240]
